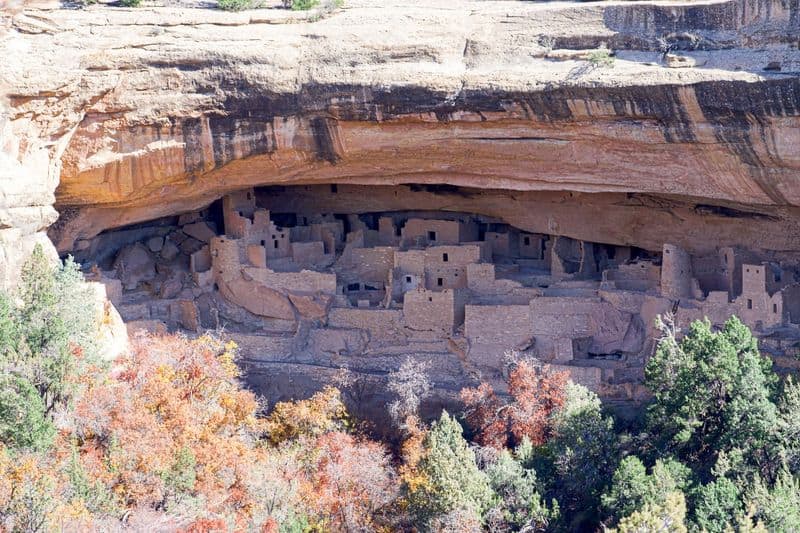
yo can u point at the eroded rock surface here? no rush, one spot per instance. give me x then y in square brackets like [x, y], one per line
[687, 139]
[154, 111]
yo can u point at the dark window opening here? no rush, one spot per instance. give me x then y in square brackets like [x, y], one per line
[398, 231]
[241, 214]
[775, 308]
[749, 303]
[353, 286]
[431, 235]
[370, 288]
[439, 282]
[408, 279]
[334, 189]
[430, 299]
[527, 241]
[275, 243]
[445, 258]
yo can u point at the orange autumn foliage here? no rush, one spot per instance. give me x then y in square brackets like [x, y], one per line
[172, 419]
[170, 440]
[348, 482]
[321, 413]
[535, 392]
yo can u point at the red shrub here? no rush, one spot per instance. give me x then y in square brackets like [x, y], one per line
[535, 393]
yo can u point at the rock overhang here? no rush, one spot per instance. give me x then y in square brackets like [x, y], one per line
[183, 106]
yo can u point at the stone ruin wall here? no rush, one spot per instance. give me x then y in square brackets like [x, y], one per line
[325, 291]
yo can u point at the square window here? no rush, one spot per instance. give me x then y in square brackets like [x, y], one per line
[445, 258]
[408, 279]
[431, 235]
[527, 241]
[439, 282]
[749, 303]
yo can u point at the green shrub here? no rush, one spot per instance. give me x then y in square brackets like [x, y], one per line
[130, 3]
[236, 5]
[300, 5]
[601, 57]
[23, 422]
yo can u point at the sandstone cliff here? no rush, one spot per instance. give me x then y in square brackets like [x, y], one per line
[146, 112]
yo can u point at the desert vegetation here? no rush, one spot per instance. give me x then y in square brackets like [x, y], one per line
[167, 437]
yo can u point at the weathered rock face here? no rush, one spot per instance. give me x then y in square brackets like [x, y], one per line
[494, 108]
[149, 112]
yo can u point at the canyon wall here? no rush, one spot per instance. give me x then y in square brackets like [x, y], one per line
[148, 112]
[621, 124]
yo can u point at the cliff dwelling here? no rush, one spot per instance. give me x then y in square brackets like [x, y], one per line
[447, 193]
[332, 276]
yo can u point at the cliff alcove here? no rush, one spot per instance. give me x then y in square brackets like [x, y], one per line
[313, 279]
[664, 178]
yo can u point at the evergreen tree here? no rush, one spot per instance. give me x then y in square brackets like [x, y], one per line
[518, 504]
[711, 393]
[666, 517]
[8, 326]
[23, 423]
[777, 507]
[52, 335]
[632, 488]
[452, 478]
[788, 428]
[718, 505]
[582, 456]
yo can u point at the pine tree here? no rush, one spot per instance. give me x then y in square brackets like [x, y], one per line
[23, 423]
[453, 480]
[711, 393]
